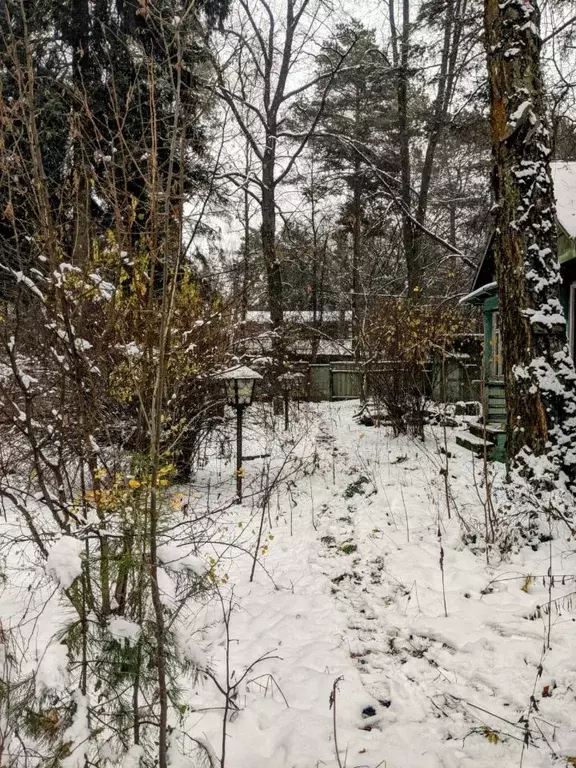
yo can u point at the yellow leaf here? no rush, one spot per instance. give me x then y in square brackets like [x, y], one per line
[134, 483]
[491, 735]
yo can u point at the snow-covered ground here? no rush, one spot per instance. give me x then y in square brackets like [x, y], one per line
[431, 667]
[352, 591]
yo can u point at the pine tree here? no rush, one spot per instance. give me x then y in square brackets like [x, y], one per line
[356, 138]
[105, 76]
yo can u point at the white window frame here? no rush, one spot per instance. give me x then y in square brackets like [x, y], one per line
[496, 363]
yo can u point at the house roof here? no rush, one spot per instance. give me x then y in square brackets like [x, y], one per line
[302, 316]
[479, 293]
[303, 347]
[564, 178]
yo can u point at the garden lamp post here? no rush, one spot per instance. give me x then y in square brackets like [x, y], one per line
[239, 383]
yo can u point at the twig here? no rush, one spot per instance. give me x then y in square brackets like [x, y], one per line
[332, 706]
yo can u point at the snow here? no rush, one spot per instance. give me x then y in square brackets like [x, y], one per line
[438, 685]
[52, 671]
[28, 381]
[77, 734]
[479, 292]
[302, 316]
[176, 560]
[564, 178]
[130, 350]
[63, 561]
[30, 284]
[133, 757]
[82, 345]
[304, 347]
[106, 289]
[167, 588]
[122, 629]
[191, 651]
[239, 372]
[348, 587]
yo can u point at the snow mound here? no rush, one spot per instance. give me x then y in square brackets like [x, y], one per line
[122, 629]
[64, 562]
[173, 557]
[52, 673]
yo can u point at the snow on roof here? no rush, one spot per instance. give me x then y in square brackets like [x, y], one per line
[305, 347]
[302, 316]
[564, 178]
[488, 288]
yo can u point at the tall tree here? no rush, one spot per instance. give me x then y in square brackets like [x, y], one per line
[355, 135]
[262, 50]
[105, 76]
[538, 371]
[454, 23]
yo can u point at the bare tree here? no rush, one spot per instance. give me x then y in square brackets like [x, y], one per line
[454, 21]
[261, 73]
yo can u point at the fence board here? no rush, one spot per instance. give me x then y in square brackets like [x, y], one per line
[320, 385]
[342, 380]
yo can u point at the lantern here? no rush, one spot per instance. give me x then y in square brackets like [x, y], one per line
[239, 383]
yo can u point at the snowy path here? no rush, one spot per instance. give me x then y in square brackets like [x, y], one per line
[359, 596]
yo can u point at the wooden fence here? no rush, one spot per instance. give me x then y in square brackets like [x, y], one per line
[342, 380]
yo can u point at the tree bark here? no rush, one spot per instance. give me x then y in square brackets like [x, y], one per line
[538, 371]
[401, 54]
[246, 250]
[356, 252]
[268, 234]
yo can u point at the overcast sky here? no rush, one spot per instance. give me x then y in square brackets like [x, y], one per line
[368, 11]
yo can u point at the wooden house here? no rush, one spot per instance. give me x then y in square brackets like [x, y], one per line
[484, 294]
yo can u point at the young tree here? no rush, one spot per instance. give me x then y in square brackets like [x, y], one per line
[538, 370]
[102, 354]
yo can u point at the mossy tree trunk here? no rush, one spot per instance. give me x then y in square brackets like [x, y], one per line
[538, 371]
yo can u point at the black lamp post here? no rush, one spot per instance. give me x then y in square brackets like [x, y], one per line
[239, 383]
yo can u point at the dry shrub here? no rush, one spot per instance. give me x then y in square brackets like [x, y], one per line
[401, 338]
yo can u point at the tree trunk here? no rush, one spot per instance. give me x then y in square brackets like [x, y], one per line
[356, 252]
[401, 51]
[538, 371]
[437, 122]
[313, 226]
[268, 233]
[245, 255]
